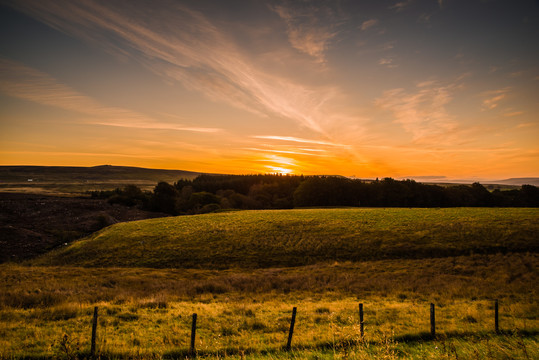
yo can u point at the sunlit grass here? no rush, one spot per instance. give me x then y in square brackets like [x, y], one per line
[509, 276]
[146, 313]
[253, 239]
[253, 325]
[244, 295]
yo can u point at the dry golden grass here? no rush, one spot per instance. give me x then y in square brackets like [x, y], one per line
[146, 313]
[477, 276]
[252, 325]
[244, 311]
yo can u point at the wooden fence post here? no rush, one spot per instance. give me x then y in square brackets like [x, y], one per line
[193, 333]
[361, 319]
[94, 331]
[432, 321]
[291, 331]
[496, 323]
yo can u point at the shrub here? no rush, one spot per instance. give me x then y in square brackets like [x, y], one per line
[209, 208]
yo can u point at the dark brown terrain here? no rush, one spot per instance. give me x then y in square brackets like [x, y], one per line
[32, 224]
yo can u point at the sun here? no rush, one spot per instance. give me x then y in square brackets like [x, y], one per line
[280, 165]
[280, 170]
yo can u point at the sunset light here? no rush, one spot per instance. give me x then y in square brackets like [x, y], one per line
[180, 178]
[444, 89]
[279, 170]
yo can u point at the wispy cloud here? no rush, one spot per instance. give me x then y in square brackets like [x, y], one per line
[493, 97]
[183, 45]
[290, 152]
[18, 80]
[310, 28]
[388, 62]
[368, 24]
[422, 112]
[513, 113]
[401, 5]
[298, 140]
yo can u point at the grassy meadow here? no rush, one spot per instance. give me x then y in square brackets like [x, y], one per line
[269, 238]
[148, 277]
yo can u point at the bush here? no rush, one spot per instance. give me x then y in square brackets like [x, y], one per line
[130, 195]
[209, 208]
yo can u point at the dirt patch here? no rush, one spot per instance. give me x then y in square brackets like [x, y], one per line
[32, 224]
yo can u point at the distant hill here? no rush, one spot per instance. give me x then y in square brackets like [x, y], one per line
[95, 173]
[515, 181]
[77, 180]
[445, 181]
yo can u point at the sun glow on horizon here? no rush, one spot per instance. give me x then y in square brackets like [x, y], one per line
[280, 170]
[280, 164]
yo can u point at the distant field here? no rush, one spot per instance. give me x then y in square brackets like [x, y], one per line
[71, 188]
[254, 239]
[76, 180]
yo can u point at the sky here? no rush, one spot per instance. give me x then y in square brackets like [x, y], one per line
[424, 89]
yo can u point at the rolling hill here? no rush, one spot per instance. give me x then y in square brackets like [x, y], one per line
[274, 238]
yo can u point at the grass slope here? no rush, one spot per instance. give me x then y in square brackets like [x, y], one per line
[252, 239]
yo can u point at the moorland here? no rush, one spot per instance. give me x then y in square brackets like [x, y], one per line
[72, 180]
[242, 271]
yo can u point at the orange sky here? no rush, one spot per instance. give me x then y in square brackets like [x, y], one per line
[365, 89]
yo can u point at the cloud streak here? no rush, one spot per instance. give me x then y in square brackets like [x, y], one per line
[298, 140]
[493, 98]
[182, 44]
[388, 62]
[401, 5]
[309, 28]
[368, 24]
[422, 112]
[290, 152]
[18, 80]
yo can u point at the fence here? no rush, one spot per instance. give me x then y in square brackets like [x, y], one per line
[288, 346]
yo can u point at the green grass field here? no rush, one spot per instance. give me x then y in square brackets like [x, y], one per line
[242, 272]
[269, 238]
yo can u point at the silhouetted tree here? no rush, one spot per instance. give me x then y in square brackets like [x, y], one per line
[130, 195]
[164, 198]
[211, 192]
[530, 195]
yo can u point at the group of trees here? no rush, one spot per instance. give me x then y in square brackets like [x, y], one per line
[209, 193]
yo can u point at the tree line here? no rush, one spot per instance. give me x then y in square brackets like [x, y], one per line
[210, 193]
